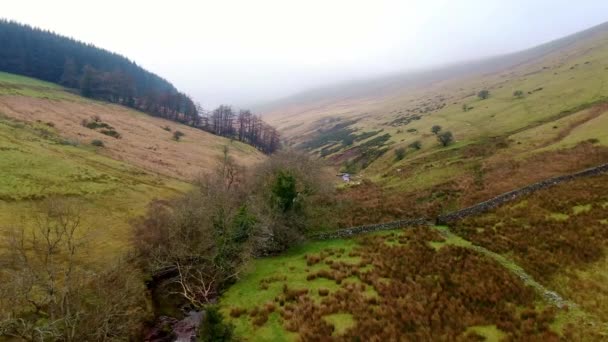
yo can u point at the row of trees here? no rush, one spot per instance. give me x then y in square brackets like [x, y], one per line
[96, 72]
[100, 74]
[243, 126]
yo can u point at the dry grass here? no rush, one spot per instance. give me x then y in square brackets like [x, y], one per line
[557, 235]
[143, 141]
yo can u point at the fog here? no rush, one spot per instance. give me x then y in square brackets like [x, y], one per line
[248, 52]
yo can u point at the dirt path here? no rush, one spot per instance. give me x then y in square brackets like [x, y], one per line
[594, 112]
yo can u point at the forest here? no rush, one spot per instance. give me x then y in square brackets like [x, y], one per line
[103, 75]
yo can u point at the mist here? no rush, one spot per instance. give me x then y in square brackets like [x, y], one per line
[251, 52]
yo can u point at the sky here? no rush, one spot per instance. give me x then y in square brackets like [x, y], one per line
[252, 51]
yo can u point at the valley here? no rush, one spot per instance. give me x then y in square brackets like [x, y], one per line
[128, 212]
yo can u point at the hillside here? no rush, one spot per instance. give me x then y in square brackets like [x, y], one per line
[531, 269]
[557, 125]
[45, 152]
[145, 141]
[92, 71]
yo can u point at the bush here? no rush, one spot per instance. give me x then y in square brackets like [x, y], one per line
[518, 93]
[436, 129]
[97, 143]
[177, 135]
[445, 138]
[416, 145]
[110, 132]
[167, 128]
[50, 124]
[214, 328]
[68, 142]
[483, 94]
[400, 153]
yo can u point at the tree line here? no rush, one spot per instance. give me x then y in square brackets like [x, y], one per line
[95, 72]
[104, 75]
[243, 126]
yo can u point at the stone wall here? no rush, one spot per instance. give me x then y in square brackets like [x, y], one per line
[348, 232]
[515, 194]
[460, 214]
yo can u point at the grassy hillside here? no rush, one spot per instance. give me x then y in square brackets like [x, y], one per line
[144, 141]
[557, 125]
[45, 151]
[532, 269]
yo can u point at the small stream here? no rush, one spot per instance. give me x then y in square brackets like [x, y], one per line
[173, 324]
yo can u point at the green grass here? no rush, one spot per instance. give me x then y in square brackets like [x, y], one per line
[490, 332]
[36, 164]
[341, 322]
[580, 209]
[11, 84]
[290, 269]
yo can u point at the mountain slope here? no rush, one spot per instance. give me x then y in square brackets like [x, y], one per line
[95, 72]
[558, 125]
[46, 152]
[145, 141]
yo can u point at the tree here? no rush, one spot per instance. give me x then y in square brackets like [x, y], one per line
[518, 93]
[87, 81]
[416, 145]
[53, 293]
[436, 129]
[70, 77]
[284, 191]
[400, 153]
[445, 138]
[465, 107]
[483, 94]
[177, 135]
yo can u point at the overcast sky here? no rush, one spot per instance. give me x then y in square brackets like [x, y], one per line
[252, 51]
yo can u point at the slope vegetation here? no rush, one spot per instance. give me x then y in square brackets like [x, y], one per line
[45, 151]
[143, 140]
[556, 123]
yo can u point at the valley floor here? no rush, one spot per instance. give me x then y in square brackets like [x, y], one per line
[532, 269]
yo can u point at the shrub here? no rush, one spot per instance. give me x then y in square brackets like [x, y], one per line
[177, 135]
[50, 124]
[465, 107]
[167, 128]
[416, 145]
[214, 328]
[97, 143]
[445, 138]
[483, 94]
[68, 142]
[436, 129]
[110, 132]
[518, 93]
[400, 153]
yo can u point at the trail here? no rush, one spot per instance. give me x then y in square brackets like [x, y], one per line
[593, 114]
[550, 296]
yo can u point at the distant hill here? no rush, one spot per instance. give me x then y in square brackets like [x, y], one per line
[399, 82]
[546, 114]
[94, 72]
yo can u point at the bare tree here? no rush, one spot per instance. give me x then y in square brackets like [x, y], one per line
[50, 286]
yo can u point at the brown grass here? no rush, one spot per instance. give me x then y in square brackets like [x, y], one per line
[144, 141]
[541, 243]
[423, 294]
